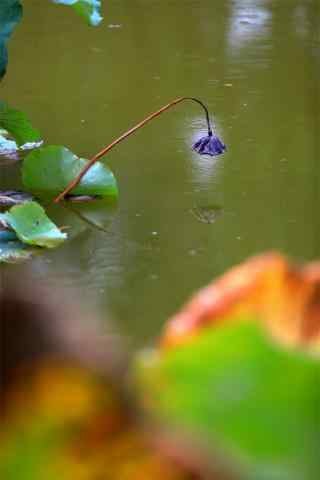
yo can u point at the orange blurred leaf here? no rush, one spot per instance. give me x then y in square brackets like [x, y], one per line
[284, 297]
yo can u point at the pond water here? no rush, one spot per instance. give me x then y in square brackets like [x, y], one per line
[181, 219]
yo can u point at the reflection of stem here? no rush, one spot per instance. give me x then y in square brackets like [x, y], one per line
[122, 137]
[85, 219]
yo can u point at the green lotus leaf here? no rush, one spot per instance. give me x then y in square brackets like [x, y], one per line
[32, 226]
[17, 124]
[10, 15]
[89, 9]
[13, 251]
[48, 170]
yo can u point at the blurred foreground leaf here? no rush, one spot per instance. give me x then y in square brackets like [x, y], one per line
[243, 397]
[10, 15]
[48, 170]
[32, 225]
[27, 457]
[236, 377]
[238, 370]
[89, 9]
[66, 423]
[283, 297]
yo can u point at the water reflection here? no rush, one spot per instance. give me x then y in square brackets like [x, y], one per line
[207, 213]
[249, 21]
[300, 19]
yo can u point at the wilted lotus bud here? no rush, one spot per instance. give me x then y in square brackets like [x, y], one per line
[209, 145]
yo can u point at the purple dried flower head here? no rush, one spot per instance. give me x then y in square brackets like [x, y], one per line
[209, 145]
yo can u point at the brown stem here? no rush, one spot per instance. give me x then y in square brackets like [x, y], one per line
[122, 137]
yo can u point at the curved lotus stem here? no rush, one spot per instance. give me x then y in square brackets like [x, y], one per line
[122, 137]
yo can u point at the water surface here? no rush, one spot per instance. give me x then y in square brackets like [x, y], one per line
[255, 63]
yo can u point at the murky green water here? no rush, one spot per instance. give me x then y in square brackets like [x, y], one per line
[256, 64]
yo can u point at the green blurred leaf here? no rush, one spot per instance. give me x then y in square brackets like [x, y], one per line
[32, 225]
[26, 457]
[48, 170]
[18, 125]
[10, 15]
[244, 397]
[89, 9]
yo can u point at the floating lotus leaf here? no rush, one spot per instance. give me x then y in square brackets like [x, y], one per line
[32, 226]
[48, 170]
[10, 150]
[89, 9]
[9, 198]
[10, 15]
[13, 251]
[17, 124]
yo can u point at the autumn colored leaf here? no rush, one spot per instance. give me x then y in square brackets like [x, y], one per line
[65, 411]
[284, 297]
[76, 427]
[237, 371]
